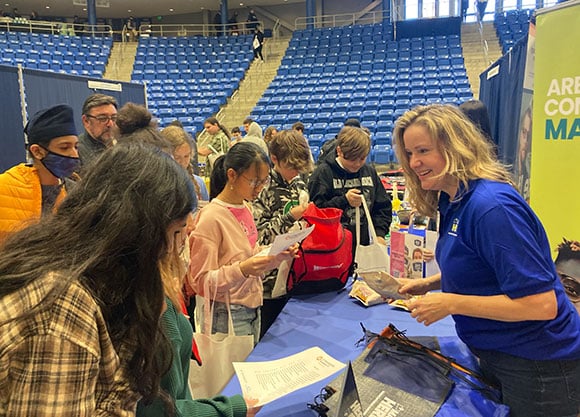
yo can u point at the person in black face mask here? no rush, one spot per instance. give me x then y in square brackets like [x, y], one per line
[28, 191]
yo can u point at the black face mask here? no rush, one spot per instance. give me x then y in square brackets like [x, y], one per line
[61, 166]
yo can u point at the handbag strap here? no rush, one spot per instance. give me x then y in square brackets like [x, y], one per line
[370, 224]
[208, 308]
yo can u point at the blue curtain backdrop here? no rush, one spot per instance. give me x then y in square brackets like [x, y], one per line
[502, 94]
[44, 89]
[12, 150]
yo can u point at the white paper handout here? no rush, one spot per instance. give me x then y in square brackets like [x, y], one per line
[284, 241]
[269, 380]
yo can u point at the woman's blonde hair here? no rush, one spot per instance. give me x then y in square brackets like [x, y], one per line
[354, 142]
[173, 269]
[467, 153]
[177, 137]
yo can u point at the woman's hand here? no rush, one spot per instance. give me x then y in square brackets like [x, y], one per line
[431, 307]
[419, 286]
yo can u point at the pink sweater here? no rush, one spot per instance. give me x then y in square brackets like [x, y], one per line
[218, 245]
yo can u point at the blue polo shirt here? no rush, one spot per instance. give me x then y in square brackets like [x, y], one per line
[490, 243]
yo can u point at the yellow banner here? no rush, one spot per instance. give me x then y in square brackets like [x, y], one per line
[555, 156]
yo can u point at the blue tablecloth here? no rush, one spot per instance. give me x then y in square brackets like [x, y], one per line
[331, 321]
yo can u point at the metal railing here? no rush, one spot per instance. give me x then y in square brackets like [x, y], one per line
[336, 20]
[276, 29]
[193, 29]
[54, 28]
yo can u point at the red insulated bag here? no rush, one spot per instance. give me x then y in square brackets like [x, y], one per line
[325, 255]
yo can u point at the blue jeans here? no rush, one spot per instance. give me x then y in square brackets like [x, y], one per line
[534, 388]
[246, 320]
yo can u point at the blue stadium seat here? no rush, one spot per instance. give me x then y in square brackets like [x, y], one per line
[381, 154]
[315, 152]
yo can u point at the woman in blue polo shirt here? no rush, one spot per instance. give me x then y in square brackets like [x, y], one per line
[497, 277]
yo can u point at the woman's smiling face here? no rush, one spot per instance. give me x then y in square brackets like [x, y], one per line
[427, 161]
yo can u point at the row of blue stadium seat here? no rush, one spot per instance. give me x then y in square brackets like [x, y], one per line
[195, 40]
[76, 67]
[370, 42]
[368, 89]
[389, 100]
[436, 67]
[193, 49]
[195, 99]
[419, 61]
[45, 38]
[366, 77]
[56, 66]
[197, 75]
[66, 50]
[339, 109]
[343, 30]
[35, 55]
[200, 86]
[222, 67]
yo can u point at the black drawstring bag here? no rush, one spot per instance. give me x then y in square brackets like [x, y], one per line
[398, 375]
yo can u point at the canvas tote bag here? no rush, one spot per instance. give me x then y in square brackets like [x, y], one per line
[373, 257]
[217, 350]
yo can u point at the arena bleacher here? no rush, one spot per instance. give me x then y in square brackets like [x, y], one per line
[58, 53]
[326, 76]
[511, 26]
[330, 74]
[190, 78]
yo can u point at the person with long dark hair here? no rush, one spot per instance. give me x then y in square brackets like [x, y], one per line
[81, 293]
[214, 140]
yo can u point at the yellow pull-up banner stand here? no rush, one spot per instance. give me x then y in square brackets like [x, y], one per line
[555, 156]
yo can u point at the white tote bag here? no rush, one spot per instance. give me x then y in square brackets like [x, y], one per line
[373, 257]
[217, 351]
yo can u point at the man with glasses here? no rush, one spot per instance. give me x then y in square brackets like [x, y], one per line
[99, 117]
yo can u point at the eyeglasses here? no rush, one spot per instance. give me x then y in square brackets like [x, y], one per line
[255, 183]
[103, 119]
[571, 286]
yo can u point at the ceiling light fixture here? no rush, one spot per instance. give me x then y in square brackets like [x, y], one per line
[48, 7]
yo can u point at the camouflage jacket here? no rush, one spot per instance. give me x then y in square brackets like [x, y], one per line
[272, 214]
